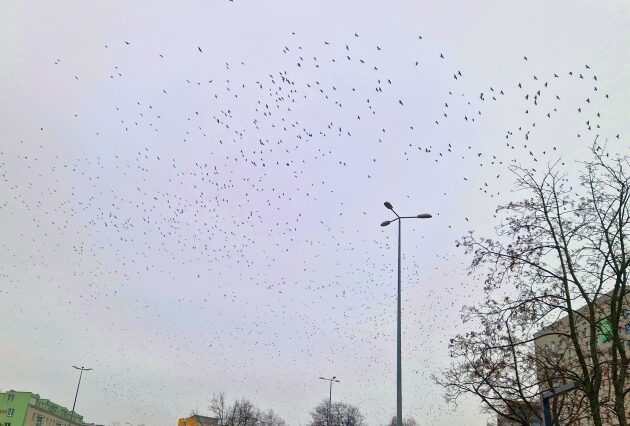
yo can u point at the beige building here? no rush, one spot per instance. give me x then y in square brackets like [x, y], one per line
[525, 411]
[558, 351]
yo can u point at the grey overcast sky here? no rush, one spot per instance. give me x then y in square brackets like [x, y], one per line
[192, 190]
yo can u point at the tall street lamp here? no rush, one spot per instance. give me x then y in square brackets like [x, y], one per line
[398, 357]
[329, 396]
[553, 393]
[82, 369]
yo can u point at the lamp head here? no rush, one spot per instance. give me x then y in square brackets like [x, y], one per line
[388, 205]
[424, 216]
[387, 222]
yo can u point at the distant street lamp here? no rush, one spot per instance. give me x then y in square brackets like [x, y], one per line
[82, 369]
[399, 415]
[329, 396]
[553, 393]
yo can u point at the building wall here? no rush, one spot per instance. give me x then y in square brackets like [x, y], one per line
[560, 348]
[48, 419]
[192, 421]
[188, 421]
[28, 406]
[534, 414]
[57, 411]
[506, 422]
[19, 404]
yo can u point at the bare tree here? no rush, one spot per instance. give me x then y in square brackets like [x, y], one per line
[270, 418]
[219, 408]
[341, 414]
[241, 413]
[563, 252]
[409, 421]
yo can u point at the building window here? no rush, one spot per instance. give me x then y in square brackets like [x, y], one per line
[10, 397]
[626, 313]
[605, 327]
[40, 421]
[10, 412]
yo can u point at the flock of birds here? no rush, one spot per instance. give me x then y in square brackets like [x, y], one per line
[205, 222]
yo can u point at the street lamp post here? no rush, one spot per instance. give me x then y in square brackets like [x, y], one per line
[82, 369]
[398, 356]
[553, 393]
[329, 396]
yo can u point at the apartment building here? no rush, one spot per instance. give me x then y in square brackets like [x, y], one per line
[524, 411]
[28, 409]
[558, 351]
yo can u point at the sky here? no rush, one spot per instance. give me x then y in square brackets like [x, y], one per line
[191, 192]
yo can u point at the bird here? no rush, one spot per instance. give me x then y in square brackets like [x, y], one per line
[215, 213]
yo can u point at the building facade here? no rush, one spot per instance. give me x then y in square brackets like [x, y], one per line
[197, 420]
[555, 348]
[525, 412]
[28, 409]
